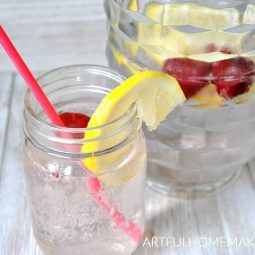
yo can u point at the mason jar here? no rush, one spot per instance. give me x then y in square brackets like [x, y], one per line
[209, 47]
[76, 210]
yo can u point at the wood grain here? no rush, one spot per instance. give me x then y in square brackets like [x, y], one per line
[15, 229]
[6, 83]
[55, 33]
[12, 199]
[252, 173]
[227, 214]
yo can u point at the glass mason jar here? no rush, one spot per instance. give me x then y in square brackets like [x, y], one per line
[209, 47]
[74, 210]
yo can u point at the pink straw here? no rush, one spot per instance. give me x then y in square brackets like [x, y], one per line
[128, 227]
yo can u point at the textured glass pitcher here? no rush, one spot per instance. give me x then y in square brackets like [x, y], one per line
[209, 47]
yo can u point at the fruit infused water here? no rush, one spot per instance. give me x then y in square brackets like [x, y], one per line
[76, 210]
[86, 178]
[209, 47]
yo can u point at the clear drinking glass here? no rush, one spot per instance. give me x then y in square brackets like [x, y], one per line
[76, 211]
[209, 46]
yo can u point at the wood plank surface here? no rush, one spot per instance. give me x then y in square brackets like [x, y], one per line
[55, 33]
[6, 85]
[226, 216]
[12, 198]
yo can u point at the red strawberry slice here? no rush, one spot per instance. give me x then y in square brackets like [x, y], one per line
[233, 77]
[191, 74]
[228, 90]
[74, 120]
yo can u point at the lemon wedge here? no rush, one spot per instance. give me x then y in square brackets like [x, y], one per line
[155, 95]
[208, 97]
[193, 14]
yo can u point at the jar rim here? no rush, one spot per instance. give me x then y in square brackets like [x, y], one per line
[48, 136]
[98, 68]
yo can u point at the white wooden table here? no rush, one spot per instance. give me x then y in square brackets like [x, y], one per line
[51, 33]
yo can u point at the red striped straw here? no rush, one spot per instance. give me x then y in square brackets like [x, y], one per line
[128, 227]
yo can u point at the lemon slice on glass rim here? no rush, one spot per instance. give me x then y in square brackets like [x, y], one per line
[155, 95]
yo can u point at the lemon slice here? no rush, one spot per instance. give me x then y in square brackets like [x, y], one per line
[193, 14]
[155, 95]
[208, 97]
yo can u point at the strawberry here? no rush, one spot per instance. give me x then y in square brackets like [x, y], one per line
[232, 77]
[191, 74]
[75, 120]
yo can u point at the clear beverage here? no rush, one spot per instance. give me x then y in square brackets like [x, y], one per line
[75, 211]
[66, 218]
[209, 46]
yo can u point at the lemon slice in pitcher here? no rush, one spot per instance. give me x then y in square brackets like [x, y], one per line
[193, 14]
[155, 95]
[208, 98]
